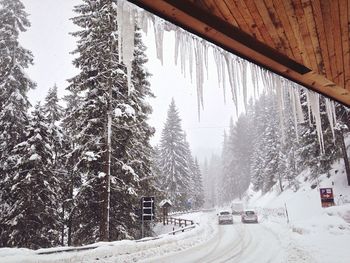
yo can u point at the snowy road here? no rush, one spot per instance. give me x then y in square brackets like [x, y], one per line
[239, 242]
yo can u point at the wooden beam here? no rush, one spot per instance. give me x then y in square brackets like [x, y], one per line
[194, 19]
[321, 33]
[281, 12]
[345, 29]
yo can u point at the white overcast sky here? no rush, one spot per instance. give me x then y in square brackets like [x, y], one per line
[49, 40]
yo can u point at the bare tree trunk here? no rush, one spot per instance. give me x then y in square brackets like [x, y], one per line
[106, 188]
[62, 229]
[345, 155]
[70, 219]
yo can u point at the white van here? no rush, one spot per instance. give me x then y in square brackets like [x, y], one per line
[237, 208]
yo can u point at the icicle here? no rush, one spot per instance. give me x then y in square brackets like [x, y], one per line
[223, 75]
[315, 109]
[280, 105]
[231, 73]
[126, 34]
[206, 58]
[158, 35]
[190, 49]
[298, 106]
[331, 118]
[308, 106]
[255, 79]
[119, 22]
[183, 52]
[177, 43]
[218, 64]
[294, 108]
[142, 21]
[244, 83]
[199, 73]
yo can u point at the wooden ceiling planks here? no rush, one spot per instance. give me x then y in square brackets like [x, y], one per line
[286, 25]
[314, 33]
[321, 32]
[339, 77]
[259, 22]
[290, 13]
[345, 32]
[243, 9]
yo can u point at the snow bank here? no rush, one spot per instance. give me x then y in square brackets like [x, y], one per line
[120, 251]
[324, 233]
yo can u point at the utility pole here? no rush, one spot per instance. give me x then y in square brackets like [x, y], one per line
[109, 146]
[345, 154]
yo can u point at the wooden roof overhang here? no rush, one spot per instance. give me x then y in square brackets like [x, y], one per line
[306, 41]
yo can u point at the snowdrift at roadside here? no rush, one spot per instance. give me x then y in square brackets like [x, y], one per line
[119, 251]
[322, 232]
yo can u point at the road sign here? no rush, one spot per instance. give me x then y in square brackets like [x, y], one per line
[327, 198]
[147, 211]
[147, 208]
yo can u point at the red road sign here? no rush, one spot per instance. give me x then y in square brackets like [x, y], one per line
[327, 198]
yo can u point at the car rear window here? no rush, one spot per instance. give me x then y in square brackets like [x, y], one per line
[224, 213]
[249, 213]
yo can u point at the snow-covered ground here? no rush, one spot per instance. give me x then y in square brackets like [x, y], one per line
[122, 251]
[324, 233]
[309, 234]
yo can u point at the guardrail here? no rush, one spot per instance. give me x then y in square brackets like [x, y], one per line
[185, 224]
[182, 229]
[176, 221]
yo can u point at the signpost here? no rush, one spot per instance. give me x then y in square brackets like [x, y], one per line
[147, 211]
[327, 198]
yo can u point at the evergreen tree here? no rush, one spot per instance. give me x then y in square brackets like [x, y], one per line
[14, 104]
[314, 157]
[225, 183]
[266, 144]
[33, 219]
[174, 165]
[241, 153]
[229, 182]
[113, 150]
[198, 186]
[72, 178]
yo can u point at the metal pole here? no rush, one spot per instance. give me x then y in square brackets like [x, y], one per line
[109, 149]
[285, 205]
[142, 230]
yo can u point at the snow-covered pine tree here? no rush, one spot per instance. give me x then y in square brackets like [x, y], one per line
[266, 144]
[289, 161]
[206, 180]
[311, 151]
[132, 148]
[72, 182]
[230, 182]
[54, 114]
[14, 104]
[198, 186]
[33, 219]
[174, 165]
[215, 177]
[113, 150]
[224, 194]
[242, 152]
[342, 131]
[192, 170]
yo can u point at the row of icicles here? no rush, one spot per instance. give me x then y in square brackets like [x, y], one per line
[193, 54]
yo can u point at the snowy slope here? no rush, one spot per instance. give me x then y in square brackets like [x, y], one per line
[322, 232]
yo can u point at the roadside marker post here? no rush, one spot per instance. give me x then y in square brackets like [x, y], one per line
[147, 211]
